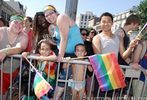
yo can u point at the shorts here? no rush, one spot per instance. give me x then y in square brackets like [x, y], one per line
[62, 76]
[63, 72]
[6, 80]
[76, 85]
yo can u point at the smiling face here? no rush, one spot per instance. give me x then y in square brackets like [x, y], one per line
[44, 49]
[80, 51]
[27, 22]
[50, 16]
[16, 26]
[41, 21]
[106, 23]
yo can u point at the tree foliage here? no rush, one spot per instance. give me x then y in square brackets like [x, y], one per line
[142, 11]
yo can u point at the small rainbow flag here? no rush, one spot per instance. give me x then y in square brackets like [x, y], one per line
[107, 71]
[41, 86]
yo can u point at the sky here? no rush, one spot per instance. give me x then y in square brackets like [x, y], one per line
[95, 6]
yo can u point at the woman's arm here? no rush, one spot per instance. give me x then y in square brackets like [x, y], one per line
[63, 23]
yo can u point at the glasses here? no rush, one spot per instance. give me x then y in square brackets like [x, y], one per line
[49, 13]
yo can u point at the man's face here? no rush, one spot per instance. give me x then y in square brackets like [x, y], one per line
[16, 25]
[106, 23]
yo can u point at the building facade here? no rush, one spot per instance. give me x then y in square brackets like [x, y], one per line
[83, 20]
[6, 9]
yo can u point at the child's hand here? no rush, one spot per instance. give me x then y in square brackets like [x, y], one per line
[25, 54]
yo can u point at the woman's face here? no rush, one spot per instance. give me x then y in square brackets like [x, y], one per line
[16, 26]
[50, 16]
[41, 21]
[26, 22]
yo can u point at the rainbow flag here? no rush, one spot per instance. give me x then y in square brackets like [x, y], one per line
[41, 86]
[107, 71]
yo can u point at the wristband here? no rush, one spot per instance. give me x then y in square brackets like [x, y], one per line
[6, 51]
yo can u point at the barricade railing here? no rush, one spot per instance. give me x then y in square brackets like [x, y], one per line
[17, 87]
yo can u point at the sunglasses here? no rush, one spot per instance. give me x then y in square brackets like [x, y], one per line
[92, 32]
[84, 34]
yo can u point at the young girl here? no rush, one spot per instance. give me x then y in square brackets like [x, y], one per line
[79, 71]
[46, 67]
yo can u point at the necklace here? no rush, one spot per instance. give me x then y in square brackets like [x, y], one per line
[11, 37]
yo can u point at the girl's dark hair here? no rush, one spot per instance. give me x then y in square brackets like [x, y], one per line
[107, 14]
[30, 19]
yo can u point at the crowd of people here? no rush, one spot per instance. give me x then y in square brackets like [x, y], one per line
[53, 36]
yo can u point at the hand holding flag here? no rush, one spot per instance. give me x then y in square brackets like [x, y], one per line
[41, 86]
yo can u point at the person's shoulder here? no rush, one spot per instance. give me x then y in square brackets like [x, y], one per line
[119, 32]
[97, 36]
[3, 28]
[62, 20]
[63, 16]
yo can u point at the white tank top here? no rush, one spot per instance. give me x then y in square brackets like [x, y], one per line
[109, 44]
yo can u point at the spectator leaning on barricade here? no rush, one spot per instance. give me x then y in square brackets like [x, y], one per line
[45, 64]
[131, 24]
[67, 35]
[78, 82]
[107, 42]
[140, 60]
[12, 41]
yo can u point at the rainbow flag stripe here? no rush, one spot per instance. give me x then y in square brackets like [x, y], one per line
[41, 86]
[107, 71]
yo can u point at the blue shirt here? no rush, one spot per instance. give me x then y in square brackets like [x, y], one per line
[74, 38]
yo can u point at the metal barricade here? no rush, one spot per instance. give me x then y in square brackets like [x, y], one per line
[136, 89]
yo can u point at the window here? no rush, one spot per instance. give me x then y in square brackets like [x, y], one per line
[85, 18]
[3, 14]
[82, 18]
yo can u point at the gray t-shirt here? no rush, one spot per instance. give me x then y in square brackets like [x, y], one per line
[4, 43]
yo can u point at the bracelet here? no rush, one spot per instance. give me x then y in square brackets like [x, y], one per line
[6, 51]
